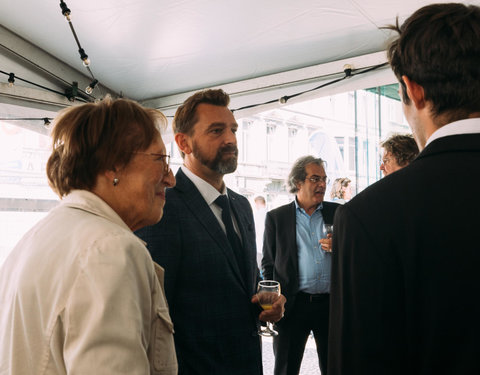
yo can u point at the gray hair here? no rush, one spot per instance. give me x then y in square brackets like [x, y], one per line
[298, 172]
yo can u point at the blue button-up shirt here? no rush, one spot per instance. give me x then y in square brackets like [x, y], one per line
[314, 264]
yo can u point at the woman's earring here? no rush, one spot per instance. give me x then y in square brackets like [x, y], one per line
[115, 181]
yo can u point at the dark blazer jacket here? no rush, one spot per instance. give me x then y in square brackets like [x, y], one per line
[280, 253]
[215, 323]
[405, 293]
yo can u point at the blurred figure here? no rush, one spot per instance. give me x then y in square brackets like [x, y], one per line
[259, 217]
[341, 190]
[398, 151]
[80, 294]
[297, 253]
[406, 249]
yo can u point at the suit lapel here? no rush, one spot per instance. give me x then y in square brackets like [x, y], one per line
[204, 215]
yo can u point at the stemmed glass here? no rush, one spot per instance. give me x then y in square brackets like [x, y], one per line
[268, 292]
[327, 230]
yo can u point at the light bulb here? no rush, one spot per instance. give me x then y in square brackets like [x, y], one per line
[91, 86]
[11, 79]
[67, 17]
[86, 62]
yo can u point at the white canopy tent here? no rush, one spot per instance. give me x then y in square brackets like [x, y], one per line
[159, 52]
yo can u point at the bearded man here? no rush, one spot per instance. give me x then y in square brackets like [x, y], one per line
[206, 243]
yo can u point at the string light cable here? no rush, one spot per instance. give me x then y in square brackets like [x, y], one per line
[46, 120]
[348, 73]
[83, 55]
[11, 78]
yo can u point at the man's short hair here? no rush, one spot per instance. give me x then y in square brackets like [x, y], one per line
[402, 147]
[438, 47]
[298, 172]
[186, 115]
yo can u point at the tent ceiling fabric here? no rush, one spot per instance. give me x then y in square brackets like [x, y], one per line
[148, 49]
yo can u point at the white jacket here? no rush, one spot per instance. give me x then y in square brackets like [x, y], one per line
[79, 294]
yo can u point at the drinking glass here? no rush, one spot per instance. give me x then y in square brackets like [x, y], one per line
[268, 292]
[328, 229]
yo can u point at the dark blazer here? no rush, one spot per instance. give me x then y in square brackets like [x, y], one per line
[405, 293]
[215, 323]
[280, 253]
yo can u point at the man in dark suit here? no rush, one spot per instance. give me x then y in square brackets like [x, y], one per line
[297, 253]
[206, 244]
[406, 253]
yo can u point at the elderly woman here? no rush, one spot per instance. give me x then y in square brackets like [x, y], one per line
[80, 294]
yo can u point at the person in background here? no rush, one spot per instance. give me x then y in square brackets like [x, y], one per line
[259, 214]
[297, 253]
[404, 294]
[206, 243]
[80, 294]
[399, 150]
[341, 190]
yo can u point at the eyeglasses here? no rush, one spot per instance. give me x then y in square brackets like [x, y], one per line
[164, 158]
[317, 179]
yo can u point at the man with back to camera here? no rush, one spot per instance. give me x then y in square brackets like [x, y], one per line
[297, 253]
[209, 259]
[405, 250]
[398, 151]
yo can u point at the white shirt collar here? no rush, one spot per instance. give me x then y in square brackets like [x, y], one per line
[208, 192]
[466, 126]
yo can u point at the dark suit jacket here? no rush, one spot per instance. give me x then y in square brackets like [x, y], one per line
[280, 253]
[405, 293]
[215, 323]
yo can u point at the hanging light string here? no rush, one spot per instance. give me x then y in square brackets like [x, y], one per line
[348, 71]
[12, 77]
[83, 56]
[46, 120]
[34, 64]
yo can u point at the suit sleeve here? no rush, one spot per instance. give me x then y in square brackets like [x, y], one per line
[365, 301]
[269, 247]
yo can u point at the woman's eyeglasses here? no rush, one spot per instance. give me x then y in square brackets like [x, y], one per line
[164, 158]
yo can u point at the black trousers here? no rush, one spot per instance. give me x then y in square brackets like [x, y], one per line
[309, 313]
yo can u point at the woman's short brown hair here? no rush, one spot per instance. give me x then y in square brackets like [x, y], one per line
[91, 138]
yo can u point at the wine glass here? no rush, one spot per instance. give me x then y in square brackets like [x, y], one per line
[328, 229]
[268, 292]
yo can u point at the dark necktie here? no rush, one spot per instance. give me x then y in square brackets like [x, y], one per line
[223, 202]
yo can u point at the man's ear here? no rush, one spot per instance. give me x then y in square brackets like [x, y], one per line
[415, 92]
[183, 143]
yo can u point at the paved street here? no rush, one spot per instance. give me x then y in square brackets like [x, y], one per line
[309, 363]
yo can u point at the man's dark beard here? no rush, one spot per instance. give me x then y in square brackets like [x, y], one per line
[218, 164]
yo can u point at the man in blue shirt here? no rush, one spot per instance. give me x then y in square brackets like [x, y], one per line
[297, 253]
